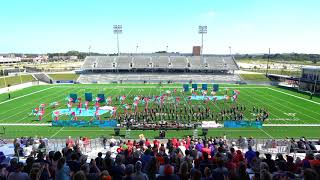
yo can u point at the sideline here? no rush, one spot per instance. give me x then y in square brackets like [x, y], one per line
[26, 95]
[294, 96]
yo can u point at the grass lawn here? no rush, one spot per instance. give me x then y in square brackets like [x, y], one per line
[254, 77]
[13, 80]
[64, 76]
[285, 107]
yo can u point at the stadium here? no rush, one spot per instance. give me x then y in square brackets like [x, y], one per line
[159, 114]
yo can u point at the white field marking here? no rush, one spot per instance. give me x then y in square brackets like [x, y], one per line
[58, 97]
[48, 113]
[103, 130]
[266, 105]
[288, 107]
[156, 87]
[26, 109]
[78, 92]
[297, 105]
[266, 133]
[24, 124]
[291, 125]
[294, 96]
[26, 95]
[56, 132]
[282, 106]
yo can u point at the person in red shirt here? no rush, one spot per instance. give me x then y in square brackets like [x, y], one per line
[206, 149]
[70, 142]
[147, 143]
[156, 143]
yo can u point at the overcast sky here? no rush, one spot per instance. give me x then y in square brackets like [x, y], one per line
[248, 26]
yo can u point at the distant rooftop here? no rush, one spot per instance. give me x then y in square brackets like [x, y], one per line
[311, 67]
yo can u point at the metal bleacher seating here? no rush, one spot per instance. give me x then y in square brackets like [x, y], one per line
[220, 63]
[123, 62]
[158, 68]
[160, 62]
[196, 63]
[178, 62]
[141, 62]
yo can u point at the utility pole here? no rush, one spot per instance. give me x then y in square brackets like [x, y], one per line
[268, 63]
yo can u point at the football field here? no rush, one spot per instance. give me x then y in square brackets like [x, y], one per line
[292, 114]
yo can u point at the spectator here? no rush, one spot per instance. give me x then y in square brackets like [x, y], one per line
[63, 171]
[138, 174]
[18, 174]
[221, 172]
[86, 169]
[128, 172]
[117, 170]
[249, 155]
[80, 175]
[99, 160]
[184, 171]
[28, 166]
[270, 162]
[168, 174]
[152, 168]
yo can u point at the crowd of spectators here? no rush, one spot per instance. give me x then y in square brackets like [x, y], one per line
[199, 159]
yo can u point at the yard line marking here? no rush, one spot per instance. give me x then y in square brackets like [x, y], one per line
[294, 96]
[297, 105]
[103, 130]
[287, 107]
[26, 95]
[291, 125]
[267, 105]
[24, 124]
[266, 133]
[56, 132]
[26, 110]
[279, 105]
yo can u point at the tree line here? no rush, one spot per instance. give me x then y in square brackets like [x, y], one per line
[282, 57]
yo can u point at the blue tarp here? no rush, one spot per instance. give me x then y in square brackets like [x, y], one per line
[242, 124]
[84, 112]
[205, 97]
[95, 123]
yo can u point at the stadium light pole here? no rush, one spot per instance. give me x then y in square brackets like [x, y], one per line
[202, 30]
[117, 29]
[89, 50]
[167, 48]
[137, 49]
[4, 77]
[268, 62]
[230, 50]
[315, 83]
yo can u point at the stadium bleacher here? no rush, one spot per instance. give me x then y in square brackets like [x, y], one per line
[159, 62]
[178, 62]
[141, 62]
[196, 63]
[153, 68]
[155, 78]
[123, 62]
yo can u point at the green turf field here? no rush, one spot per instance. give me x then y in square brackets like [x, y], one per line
[285, 107]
